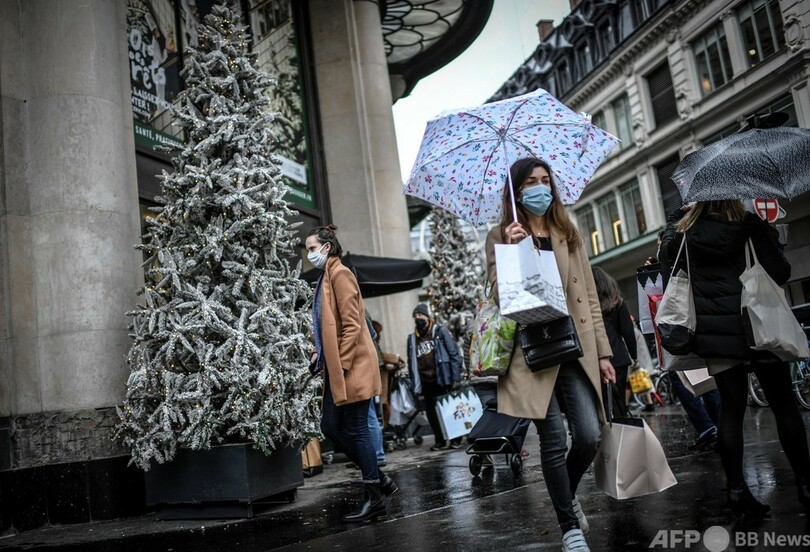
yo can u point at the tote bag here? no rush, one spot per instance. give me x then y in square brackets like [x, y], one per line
[630, 461]
[676, 319]
[492, 342]
[768, 322]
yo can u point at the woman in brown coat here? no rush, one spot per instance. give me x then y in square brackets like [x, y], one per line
[343, 346]
[574, 388]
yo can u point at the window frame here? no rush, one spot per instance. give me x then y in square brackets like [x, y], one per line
[777, 38]
[701, 45]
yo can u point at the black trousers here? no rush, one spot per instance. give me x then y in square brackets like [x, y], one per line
[776, 384]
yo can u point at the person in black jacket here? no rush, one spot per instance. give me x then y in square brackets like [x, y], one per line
[434, 363]
[716, 234]
[618, 326]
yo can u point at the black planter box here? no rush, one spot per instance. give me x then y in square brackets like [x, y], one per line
[223, 482]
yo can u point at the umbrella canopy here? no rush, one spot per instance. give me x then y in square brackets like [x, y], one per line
[381, 275]
[463, 162]
[772, 163]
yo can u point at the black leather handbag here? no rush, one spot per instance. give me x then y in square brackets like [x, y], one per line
[549, 344]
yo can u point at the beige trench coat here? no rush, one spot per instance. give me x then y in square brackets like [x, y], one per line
[351, 359]
[527, 394]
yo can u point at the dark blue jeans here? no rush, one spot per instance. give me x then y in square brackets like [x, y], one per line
[703, 411]
[347, 426]
[575, 396]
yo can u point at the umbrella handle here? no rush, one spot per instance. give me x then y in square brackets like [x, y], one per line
[509, 180]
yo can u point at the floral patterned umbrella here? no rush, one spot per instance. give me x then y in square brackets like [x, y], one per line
[463, 162]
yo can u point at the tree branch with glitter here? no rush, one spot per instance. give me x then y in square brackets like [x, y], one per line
[220, 350]
[456, 287]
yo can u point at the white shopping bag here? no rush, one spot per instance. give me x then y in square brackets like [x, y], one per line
[767, 319]
[649, 282]
[697, 381]
[529, 285]
[458, 412]
[630, 461]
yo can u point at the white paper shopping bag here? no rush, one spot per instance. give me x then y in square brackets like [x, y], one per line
[630, 461]
[458, 412]
[697, 381]
[529, 285]
[649, 282]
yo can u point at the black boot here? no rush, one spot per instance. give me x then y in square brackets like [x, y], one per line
[373, 505]
[743, 503]
[388, 485]
[803, 486]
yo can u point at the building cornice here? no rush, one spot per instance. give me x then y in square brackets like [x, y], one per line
[622, 63]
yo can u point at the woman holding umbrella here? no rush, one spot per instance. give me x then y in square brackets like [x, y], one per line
[573, 388]
[344, 348]
[716, 234]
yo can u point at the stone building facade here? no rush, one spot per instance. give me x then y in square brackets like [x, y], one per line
[667, 77]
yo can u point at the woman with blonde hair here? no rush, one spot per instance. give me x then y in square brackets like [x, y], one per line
[717, 234]
[573, 388]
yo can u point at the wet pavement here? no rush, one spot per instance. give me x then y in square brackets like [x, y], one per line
[442, 507]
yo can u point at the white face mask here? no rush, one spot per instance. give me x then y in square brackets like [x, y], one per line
[317, 258]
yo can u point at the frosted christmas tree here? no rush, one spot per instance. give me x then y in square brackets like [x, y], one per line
[458, 272]
[220, 348]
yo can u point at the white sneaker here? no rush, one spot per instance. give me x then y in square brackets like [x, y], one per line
[583, 521]
[574, 541]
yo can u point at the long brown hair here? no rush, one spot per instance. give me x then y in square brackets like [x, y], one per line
[607, 290]
[556, 215]
[730, 210]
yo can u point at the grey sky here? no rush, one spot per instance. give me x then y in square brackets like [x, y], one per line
[508, 38]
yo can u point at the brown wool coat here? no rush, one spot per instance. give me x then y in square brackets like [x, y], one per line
[527, 394]
[351, 359]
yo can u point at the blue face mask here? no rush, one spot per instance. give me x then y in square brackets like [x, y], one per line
[537, 199]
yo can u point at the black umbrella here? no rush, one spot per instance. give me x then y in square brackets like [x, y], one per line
[772, 163]
[381, 275]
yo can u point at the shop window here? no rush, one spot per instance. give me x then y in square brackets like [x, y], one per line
[662, 95]
[712, 59]
[590, 233]
[762, 29]
[610, 222]
[621, 112]
[635, 222]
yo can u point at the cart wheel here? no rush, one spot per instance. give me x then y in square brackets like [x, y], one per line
[417, 440]
[516, 464]
[400, 442]
[475, 464]
[389, 446]
[291, 495]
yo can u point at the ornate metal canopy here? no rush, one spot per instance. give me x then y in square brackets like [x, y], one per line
[421, 36]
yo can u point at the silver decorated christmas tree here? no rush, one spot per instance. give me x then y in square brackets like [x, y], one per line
[220, 349]
[458, 272]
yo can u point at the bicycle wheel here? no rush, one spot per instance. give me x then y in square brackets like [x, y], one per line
[755, 391]
[664, 389]
[800, 375]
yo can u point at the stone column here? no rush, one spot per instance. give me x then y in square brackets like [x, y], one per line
[69, 205]
[362, 163]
